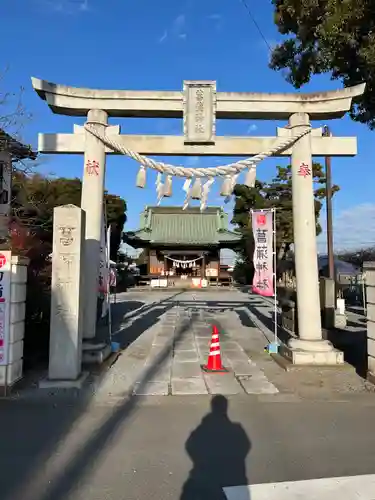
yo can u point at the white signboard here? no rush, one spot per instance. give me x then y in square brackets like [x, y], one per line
[5, 279]
[159, 283]
[211, 272]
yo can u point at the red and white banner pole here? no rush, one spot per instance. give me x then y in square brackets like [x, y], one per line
[264, 260]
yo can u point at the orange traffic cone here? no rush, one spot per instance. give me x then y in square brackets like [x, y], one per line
[214, 363]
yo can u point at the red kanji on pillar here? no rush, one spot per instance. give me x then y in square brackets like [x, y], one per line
[304, 170]
[92, 167]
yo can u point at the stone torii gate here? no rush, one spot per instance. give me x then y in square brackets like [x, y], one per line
[199, 104]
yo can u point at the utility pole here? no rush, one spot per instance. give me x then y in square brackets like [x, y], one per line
[328, 172]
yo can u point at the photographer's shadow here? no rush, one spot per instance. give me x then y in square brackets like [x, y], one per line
[218, 450]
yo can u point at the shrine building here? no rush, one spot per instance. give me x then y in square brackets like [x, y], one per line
[183, 246]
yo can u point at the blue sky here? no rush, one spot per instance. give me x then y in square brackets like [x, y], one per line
[145, 44]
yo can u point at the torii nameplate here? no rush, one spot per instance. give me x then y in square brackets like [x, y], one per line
[199, 112]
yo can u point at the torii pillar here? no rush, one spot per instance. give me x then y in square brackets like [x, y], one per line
[92, 203]
[309, 348]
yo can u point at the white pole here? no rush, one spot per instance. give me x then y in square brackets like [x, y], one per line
[364, 293]
[108, 282]
[274, 273]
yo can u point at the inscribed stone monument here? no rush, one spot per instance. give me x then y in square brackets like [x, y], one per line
[66, 309]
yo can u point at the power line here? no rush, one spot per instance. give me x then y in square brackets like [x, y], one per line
[248, 9]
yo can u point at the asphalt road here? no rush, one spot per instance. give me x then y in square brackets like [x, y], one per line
[176, 447]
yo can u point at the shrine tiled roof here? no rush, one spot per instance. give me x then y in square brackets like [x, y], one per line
[174, 226]
[17, 150]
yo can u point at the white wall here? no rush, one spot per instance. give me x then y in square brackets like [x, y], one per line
[13, 372]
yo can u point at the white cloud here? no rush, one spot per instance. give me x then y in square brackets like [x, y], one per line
[273, 43]
[84, 6]
[252, 128]
[177, 29]
[227, 256]
[353, 228]
[193, 161]
[217, 20]
[178, 24]
[163, 37]
[66, 6]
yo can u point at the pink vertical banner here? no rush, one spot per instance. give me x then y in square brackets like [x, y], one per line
[262, 224]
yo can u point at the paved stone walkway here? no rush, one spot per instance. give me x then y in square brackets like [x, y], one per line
[166, 358]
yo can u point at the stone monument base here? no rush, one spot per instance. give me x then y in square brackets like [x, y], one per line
[63, 384]
[95, 353]
[321, 353]
[340, 320]
[370, 376]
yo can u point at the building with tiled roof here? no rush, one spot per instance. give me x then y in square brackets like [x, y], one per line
[183, 244]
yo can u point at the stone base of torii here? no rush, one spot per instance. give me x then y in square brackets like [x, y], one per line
[199, 105]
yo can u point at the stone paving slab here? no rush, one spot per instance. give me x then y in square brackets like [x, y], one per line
[222, 383]
[203, 340]
[243, 368]
[184, 338]
[236, 356]
[203, 350]
[160, 341]
[151, 389]
[168, 325]
[188, 386]
[187, 356]
[257, 385]
[203, 347]
[203, 353]
[203, 327]
[156, 364]
[166, 336]
[182, 370]
[161, 375]
[118, 382]
[166, 331]
[160, 351]
[185, 346]
[230, 345]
